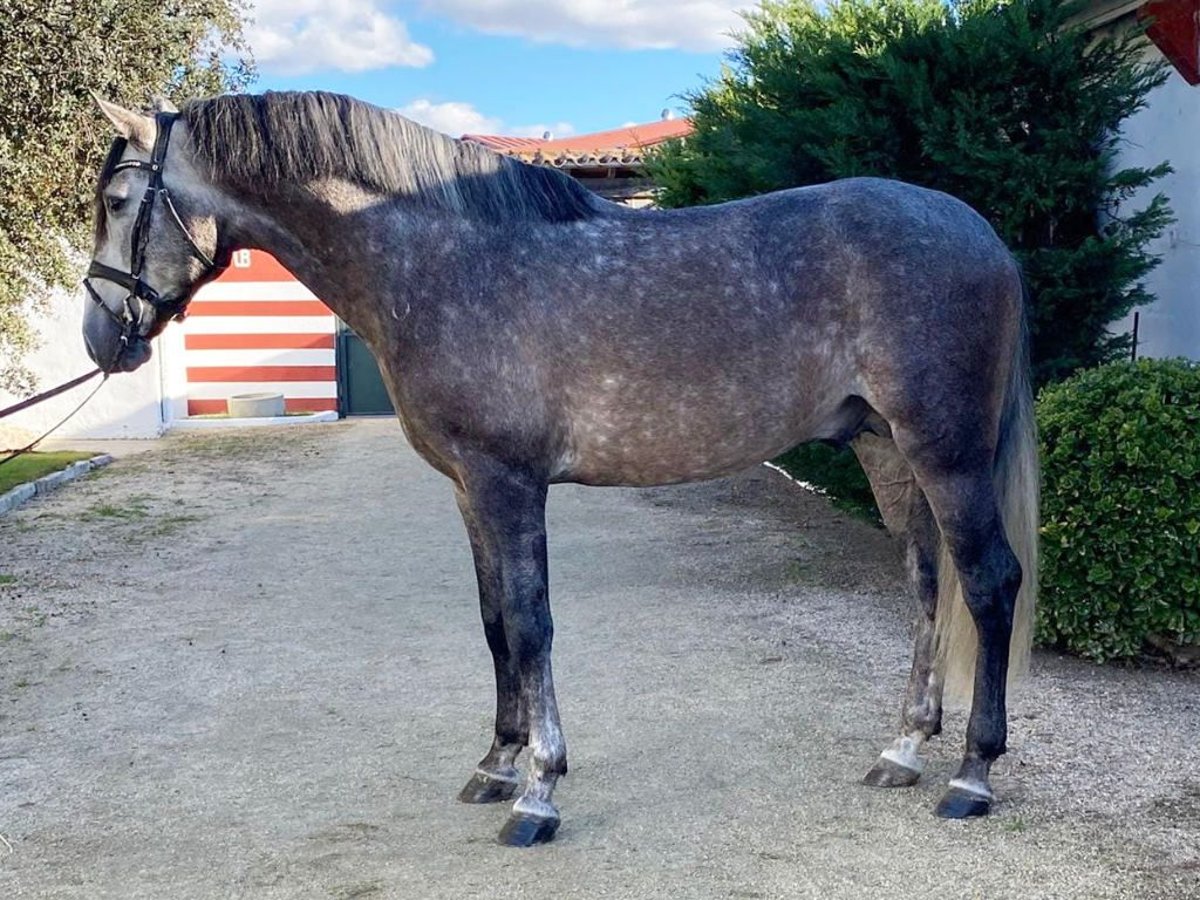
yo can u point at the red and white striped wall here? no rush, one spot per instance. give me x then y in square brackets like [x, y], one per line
[256, 328]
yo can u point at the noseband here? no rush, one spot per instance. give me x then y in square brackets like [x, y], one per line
[130, 317]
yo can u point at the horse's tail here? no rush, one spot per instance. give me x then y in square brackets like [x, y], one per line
[1017, 481]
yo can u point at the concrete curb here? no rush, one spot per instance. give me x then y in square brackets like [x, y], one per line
[47, 483]
[201, 424]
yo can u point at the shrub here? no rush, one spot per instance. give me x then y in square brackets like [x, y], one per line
[836, 473]
[1121, 508]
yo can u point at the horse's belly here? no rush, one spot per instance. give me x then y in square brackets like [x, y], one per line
[671, 445]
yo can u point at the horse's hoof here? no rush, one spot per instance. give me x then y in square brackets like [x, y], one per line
[486, 789]
[957, 803]
[888, 774]
[525, 831]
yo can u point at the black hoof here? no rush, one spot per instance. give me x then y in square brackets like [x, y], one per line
[525, 831]
[960, 804]
[887, 774]
[484, 789]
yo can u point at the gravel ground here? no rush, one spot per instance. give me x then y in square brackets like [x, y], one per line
[247, 665]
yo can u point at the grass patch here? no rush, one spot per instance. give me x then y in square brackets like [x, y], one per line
[32, 466]
[168, 525]
[6, 580]
[133, 509]
[136, 509]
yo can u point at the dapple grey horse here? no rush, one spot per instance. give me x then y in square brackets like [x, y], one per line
[531, 333]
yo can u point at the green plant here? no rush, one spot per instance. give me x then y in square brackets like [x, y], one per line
[134, 510]
[836, 473]
[1121, 508]
[33, 466]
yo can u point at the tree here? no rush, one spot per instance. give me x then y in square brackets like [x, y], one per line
[52, 140]
[1006, 105]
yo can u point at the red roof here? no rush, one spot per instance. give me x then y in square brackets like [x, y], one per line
[503, 144]
[616, 143]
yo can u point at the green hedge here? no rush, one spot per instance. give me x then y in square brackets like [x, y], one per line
[1121, 508]
[836, 473]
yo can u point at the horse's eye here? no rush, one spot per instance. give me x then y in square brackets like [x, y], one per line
[114, 203]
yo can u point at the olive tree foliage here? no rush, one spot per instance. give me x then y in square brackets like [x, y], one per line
[1005, 104]
[53, 139]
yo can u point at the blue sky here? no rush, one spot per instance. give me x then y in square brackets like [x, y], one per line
[503, 66]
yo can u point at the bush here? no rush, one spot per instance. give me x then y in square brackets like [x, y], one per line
[836, 473]
[1121, 508]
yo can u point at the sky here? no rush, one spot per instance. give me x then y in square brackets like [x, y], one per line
[516, 67]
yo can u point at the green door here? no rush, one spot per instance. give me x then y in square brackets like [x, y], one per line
[360, 386]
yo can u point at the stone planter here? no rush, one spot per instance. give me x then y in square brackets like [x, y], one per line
[255, 406]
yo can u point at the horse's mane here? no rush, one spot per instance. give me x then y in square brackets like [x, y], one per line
[254, 142]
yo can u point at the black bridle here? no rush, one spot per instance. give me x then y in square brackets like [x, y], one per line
[130, 318]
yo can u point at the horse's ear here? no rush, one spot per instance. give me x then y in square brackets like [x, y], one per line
[134, 127]
[163, 105]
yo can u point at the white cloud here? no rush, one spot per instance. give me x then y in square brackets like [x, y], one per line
[291, 37]
[457, 119]
[631, 24]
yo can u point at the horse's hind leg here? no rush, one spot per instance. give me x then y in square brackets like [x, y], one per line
[900, 765]
[964, 503]
[508, 509]
[496, 777]
[907, 514]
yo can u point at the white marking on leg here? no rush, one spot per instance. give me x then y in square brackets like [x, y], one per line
[546, 746]
[978, 788]
[531, 806]
[507, 777]
[904, 753]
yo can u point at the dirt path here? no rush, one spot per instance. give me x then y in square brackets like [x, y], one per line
[243, 666]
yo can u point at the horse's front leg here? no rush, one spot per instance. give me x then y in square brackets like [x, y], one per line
[508, 508]
[496, 777]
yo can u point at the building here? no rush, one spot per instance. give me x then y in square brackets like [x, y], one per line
[611, 163]
[256, 328]
[1167, 129]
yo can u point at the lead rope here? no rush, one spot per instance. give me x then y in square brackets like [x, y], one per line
[46, 395]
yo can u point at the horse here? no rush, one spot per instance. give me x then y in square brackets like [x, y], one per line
[531, 333]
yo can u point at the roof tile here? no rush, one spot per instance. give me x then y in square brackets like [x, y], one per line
[618, 146]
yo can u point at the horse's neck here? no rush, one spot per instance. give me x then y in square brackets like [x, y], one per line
[325, 239]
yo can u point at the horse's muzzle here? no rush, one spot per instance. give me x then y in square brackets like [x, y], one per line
[135, 354]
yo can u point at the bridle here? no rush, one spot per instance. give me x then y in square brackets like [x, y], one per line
[130, 318]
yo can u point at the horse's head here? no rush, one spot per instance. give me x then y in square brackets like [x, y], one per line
[157, 238]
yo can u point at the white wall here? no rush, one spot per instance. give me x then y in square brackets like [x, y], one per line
[128, 406]
[1169, 129]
